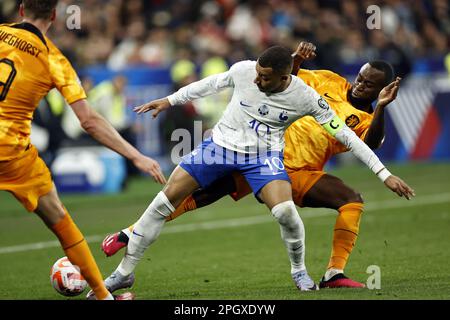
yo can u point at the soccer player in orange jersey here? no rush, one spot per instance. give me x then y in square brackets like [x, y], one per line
[308, 148]
[30, 66]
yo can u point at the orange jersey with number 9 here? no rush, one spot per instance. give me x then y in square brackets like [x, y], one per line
[30, 66]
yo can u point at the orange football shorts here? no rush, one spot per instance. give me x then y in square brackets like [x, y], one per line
[26, 177]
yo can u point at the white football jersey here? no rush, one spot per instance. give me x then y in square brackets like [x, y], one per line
[255, 121]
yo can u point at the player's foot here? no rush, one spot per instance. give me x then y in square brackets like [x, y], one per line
[340, 281]
[117, 281]
[303, 281]
[122, 296]
[114, 242]
[125, 296]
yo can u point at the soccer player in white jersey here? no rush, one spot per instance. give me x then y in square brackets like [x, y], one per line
[248, 138]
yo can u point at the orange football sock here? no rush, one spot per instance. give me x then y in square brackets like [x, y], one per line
[345, 233]
[188, 204]
[78, 252]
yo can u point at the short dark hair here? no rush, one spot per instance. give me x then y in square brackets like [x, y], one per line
[278, 58]
[39, 9]
[386, 68]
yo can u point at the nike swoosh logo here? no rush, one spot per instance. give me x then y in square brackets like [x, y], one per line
[245, 105]
[139, 235]
[328, 96]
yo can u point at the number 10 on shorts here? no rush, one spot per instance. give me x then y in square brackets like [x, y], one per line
[273, 166]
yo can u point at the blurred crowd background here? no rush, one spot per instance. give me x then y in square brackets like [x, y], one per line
[120, 33]
[128, 52]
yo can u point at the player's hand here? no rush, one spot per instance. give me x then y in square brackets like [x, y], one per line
[305, 51]
[157, 105]
[398, 186]
[151, 167]
[389, 93]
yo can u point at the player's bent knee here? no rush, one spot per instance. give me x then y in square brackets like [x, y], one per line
[355, 197]
[286, 213]
[359, 198]
[350, 197]
[176, 193]
[292, 229]
[50, 209]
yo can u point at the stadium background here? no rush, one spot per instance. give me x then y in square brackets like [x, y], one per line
[144, 40]
[159, 45]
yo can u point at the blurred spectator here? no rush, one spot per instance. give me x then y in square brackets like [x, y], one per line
[212, 107]
[8, 10]
[447, 64]
[49, 115]
[183, 72]
[386, 49]
[127, 51]
[126, 32]
[108, 98]
[354, 49]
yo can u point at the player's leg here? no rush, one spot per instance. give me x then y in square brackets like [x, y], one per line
[51, 210]
[277, 195]
[29, 180]
[147, 229]
[231, 184]
[331, 192]
[207, 163]
[206, 196]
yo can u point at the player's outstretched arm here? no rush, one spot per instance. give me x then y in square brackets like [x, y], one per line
[348, 138]
[323, 114]
[338, 129]
[102, 131]
[157, 105]
[195, 90]
[375, 134]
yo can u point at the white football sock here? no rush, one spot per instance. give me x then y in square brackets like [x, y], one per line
[292, 233]
[331, 273]
[127, 231]
[145, 232]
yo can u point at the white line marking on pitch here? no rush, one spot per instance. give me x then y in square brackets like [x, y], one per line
[246, 221]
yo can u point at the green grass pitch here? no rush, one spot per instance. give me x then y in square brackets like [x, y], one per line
[234, 251]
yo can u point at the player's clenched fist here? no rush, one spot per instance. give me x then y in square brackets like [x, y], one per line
[306, 50]
[157, 105]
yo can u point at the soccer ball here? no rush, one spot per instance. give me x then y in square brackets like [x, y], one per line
[67, 279]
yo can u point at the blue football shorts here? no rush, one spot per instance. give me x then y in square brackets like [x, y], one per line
[209, 162]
